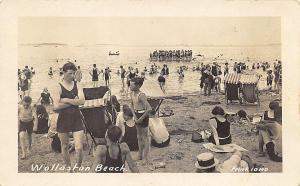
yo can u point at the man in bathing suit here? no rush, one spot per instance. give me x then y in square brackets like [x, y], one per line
[140, 109]
[67, 99]
[27, 123]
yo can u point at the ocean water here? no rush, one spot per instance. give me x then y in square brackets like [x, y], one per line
[41, 57]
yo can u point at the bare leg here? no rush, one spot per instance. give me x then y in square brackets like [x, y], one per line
[23, 138]
[146, 139]
[78, 139]
[29, 141]
[98, 159]
[140, 142]
[64, 139]
[260, 144]
[263, 138]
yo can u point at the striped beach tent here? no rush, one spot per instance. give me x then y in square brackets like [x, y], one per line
[232, 78]
[249, 79]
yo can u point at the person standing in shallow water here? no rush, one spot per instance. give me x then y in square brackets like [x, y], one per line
[95, 75]
[67, 98]
[123, 77]
[107, 76]
[78, 74]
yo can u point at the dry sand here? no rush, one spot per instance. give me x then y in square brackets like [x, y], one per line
[180, 156]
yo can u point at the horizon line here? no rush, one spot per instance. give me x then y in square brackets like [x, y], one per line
[153, 45]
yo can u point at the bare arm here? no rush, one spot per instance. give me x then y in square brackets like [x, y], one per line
[120, 123]
[38, 100]
[77, 101]
[213, 126]
[131, 164]
[148, 108]
[19, 117]
[57, 104]
[51, 99]
[35, 120]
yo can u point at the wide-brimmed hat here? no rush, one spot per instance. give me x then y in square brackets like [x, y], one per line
[206, 161]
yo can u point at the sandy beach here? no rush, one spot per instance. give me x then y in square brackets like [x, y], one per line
[191, 112]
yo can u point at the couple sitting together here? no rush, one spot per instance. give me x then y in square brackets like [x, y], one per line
[269, 130]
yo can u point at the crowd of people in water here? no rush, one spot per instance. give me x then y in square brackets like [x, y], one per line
[131, 130]
[171, 55]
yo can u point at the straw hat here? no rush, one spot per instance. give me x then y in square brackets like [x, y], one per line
[206, 160]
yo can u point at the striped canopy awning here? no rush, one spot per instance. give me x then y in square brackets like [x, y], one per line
[235, 78]
[232, 78]
[249, 79]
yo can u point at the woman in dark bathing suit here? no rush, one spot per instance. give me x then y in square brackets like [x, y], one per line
[111, 158]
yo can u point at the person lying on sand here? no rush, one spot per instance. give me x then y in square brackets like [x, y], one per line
[238, 162]
[111, 158]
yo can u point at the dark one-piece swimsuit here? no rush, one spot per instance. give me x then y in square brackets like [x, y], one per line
[69, 119]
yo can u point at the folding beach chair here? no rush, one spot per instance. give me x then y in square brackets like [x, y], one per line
[232, 87]
[96, 117]
[249, 87]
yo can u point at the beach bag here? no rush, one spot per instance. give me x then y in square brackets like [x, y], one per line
[196, 137]
[159, 132]
[55, 144]
[42, 115]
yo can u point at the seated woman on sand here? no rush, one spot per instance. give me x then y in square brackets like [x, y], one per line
[270, 133]
[220, 127]
[127, 125]
[110, 158]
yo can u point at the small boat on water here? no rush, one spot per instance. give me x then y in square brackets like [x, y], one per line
[114, 53]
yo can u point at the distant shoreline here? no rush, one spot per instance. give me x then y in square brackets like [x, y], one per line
[120, 45]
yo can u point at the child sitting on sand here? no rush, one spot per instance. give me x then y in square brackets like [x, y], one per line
[27, 123]
[140, 109]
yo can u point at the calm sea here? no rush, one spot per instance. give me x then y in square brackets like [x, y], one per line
[41, 57]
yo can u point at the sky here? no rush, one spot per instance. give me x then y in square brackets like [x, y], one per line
[150, 30]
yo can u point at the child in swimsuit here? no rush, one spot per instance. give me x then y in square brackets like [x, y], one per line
[141, 109]
[27, 123]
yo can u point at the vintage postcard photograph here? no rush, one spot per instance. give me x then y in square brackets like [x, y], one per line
[176, 95]
[169, 92]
